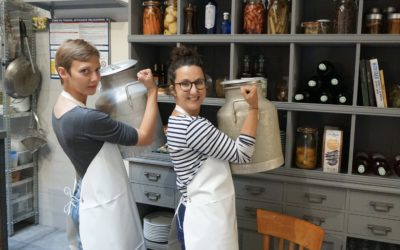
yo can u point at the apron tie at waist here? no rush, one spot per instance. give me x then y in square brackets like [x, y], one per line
[74, 201]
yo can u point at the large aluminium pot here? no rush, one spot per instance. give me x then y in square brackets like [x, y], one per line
[268, 149]
[124, 99]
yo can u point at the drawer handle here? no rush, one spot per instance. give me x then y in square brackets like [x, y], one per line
[314, 219]
[379, 230]
[381, 206]
[254, 189]
[252, 211]
[152, 196]
[315, 198]
[152, 176]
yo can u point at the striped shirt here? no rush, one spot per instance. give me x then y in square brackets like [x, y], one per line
[191, 140]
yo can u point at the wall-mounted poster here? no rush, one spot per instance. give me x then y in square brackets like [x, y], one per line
[94, 30]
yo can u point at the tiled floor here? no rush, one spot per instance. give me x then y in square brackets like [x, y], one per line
[38, 237]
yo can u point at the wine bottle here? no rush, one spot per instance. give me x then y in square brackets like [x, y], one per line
[226, 24]
[211, 17]
[361, 163]
[343, 98]
[380, 165]
[314, 84]
[325, 97]
[303, 95]
[325, 69]
[335, 84]
[396, 165]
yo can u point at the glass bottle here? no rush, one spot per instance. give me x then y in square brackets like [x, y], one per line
[325, 69]
[346, 16]
[314, 84]
[361, 163]
[226, 24]
[380, 166]
[394, 23]
[278, 17]
[161, 76]
[246, 71]
[306, 147]
[394, 96]
[151, 18]
[211, 17]
[156, 74]
[326, 97]
[343, 98]
[189, 19]
[303, 95]
[282, 90]
[386, 12]
[260, 70]
[373, 23]
[396, 165]
[170, 17]
[253, 17]
[335, 84]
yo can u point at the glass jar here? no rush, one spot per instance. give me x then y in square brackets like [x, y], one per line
[394, 96]
[324, 26]
[394, 23]
[373, 23]
[278, 17]
[151, 18]
[170, 17]
[386, 12]
[253, 17]
[306, 147]
[346, 14]
[310, 27]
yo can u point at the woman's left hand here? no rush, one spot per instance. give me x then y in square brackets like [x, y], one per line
[146, 77]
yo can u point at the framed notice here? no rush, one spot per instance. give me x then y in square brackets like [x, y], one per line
[94, 30]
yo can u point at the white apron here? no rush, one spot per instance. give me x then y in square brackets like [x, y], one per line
[108, 216]
[210, 216]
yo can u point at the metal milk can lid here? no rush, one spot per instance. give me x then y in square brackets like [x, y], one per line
[117, 67]
[241, 81]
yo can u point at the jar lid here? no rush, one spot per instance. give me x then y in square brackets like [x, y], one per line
[151, 3]
[307, 130]
[373, 16]
[309, 24]
[374, 10]
[323, 20]
[117, 67]
[394, 16]
[242, 81]
[389, 9]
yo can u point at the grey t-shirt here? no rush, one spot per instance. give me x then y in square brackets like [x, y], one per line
[82, 132]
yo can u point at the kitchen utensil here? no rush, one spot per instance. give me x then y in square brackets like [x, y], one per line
[22, 77]
[36, 140]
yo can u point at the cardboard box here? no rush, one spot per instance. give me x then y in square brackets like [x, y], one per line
[332, 149]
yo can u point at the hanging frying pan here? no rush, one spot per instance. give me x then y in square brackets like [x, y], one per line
[22, 77]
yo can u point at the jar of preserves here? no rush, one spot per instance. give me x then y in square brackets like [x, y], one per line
[151, 18]
[253, 17]
[394, 23]
[373, 23]
[306, 147]
[170, 17]
[346, 16]
[278, 17]
[310, 27]
[386, 12]
[324, 26]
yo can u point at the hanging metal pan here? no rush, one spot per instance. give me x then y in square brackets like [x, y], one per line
[22, 77]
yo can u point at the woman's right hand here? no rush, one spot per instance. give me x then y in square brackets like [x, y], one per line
[249, 92]
[146, 77]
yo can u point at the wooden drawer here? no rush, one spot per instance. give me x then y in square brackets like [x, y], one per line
[375, 203]
[374, 227]
[152, 175]
[153, 195]
[247, 209]
[333, 221]
[317, 196]
[258, 190]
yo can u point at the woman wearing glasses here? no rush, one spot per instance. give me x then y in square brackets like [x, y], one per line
[201, 153]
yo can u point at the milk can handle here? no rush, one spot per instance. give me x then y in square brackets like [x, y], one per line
[128, 96]
[233, 104]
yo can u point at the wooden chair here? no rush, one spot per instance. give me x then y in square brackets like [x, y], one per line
[287, 228]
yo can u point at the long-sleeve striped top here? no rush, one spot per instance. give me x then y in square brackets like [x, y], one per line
[191, 140]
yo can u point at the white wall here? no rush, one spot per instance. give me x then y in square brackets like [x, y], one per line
[55, 169]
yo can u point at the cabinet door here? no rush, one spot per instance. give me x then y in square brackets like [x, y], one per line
[332, 242]
[153, 195]
[380, 228]
[247, 208]
[250, 240]
[258, 190]
[375, 203]
[152, 175]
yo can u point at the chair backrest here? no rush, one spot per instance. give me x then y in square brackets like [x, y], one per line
[287, 228]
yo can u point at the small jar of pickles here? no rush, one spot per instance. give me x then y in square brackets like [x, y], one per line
[306, 147]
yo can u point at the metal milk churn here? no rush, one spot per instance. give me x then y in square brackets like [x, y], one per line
[268, 149]
[124, 99]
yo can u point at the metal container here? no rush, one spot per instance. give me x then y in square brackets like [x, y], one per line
[268, 149]
[124, 99]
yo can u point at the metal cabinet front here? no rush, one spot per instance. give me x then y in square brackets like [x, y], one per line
[316, 196]
[258, 189]
[152, 175]
[153, 195]
[375, 203]
[374, 227]
[247, 208]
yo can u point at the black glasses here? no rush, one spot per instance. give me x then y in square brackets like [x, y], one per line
[187, 85]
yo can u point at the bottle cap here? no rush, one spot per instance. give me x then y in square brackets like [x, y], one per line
[361, 169]
[334, 81]
[299, 97]
[312, 83]
[342, 99]
[226, 15]
[323, 98]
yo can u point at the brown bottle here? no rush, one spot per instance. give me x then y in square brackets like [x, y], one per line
[361, 163]
[380, 166]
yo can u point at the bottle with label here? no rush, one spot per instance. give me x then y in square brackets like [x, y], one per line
[226, 24]
[246, 71]
[303, 95]
[396, 165]
[325, 69]
[361, 163]
[211, 17]
[380, 166]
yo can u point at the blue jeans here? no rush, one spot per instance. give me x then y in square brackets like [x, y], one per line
[75, 210]
[179, 225]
